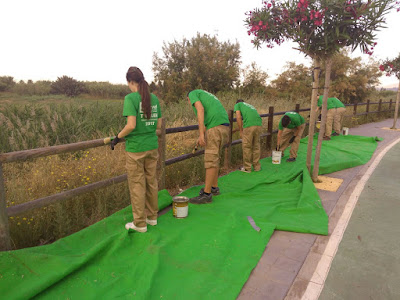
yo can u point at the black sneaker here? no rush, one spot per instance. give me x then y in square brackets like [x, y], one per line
[214, 191]
[335, 134]
[291, 159]
[201, 199]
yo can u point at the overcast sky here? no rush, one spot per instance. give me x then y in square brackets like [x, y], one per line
[98, 40]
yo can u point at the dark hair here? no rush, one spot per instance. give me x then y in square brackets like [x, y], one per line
[239, 100]
[134, 74]
[285, 121]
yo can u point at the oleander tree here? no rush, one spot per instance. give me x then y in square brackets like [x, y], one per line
[392, 67]
[320, 28]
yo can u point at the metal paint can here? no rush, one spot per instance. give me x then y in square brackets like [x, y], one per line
[276, 157]
[345, 131]
[180, 207]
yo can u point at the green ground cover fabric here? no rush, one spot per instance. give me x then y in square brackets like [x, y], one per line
[208, 255]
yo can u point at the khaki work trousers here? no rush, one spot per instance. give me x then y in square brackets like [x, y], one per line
[329, 121]
[287, 134]
[251, 148]
[216, 138]
[338, 119]
[142, 180]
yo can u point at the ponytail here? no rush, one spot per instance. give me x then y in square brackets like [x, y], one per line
[144, 92]
[135, 74]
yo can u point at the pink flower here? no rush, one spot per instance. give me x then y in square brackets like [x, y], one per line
[382, 68]
[260, 23]
[269, 5]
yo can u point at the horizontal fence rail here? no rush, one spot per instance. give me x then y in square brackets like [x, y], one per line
[20, 156]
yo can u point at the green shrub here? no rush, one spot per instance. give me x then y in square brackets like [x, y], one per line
[6, 83]
[67, 86]
[106, 90]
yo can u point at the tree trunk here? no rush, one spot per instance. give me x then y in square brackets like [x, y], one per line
[328, 66]
[396, 109]
[311, 127]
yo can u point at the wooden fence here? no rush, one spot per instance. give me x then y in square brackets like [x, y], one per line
[19, 156]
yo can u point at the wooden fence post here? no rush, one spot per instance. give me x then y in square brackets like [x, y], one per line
[4, 229]
[367, 109]
[355, 109]
[380, 106]
[390, 105]
[161, 155]
[270, 128]
[228, 149]
[297, 109]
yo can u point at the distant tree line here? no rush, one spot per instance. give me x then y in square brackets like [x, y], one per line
[205, 62]
[64, 85]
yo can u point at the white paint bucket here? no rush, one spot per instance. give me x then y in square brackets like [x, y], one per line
[276, 157]
[180, 207]
[345, 131]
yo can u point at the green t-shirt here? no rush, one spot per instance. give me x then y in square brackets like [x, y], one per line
[332, 102]
[295, 120]
[214, 113]
[336, 102]
[249, 114]
[143, 137]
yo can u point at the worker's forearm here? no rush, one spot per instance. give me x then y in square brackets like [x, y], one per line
[125, 131]
[200, 118]
[278, 142]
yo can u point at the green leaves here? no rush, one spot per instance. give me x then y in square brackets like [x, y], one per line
[320, 27]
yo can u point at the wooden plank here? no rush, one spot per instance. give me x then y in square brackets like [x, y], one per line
[161, 156]
[5, 243]
[22, 208]
[270, 128]
[228, 149]
[40, 152]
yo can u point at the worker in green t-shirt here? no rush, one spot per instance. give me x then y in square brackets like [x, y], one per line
[336, 111]
[250, 125]
[291, 128]
[214, 121]
[143, 113]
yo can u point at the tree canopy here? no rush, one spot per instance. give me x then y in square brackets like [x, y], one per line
[201, 62]
[319, 27]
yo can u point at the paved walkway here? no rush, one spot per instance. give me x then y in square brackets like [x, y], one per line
[295, 265]
[367, 264]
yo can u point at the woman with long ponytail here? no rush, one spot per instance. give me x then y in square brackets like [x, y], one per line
[143, 113]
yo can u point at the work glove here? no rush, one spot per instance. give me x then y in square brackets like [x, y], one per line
[114, 142]
[292, 139]
[277, 148]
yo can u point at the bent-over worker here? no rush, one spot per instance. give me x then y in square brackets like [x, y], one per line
[291, 128]
[249, 122]
[212, 117]
[336, 111]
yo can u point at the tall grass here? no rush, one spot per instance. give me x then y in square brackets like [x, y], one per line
[34, 122]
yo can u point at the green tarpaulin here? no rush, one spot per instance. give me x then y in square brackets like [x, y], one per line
[208, 255]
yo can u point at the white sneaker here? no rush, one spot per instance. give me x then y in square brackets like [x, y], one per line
[151, 222]
[131, 226]
[244, 170]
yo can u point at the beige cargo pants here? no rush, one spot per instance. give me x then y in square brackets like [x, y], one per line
[338, 119]
[251, 148]
[143, 187]
[287, 134]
